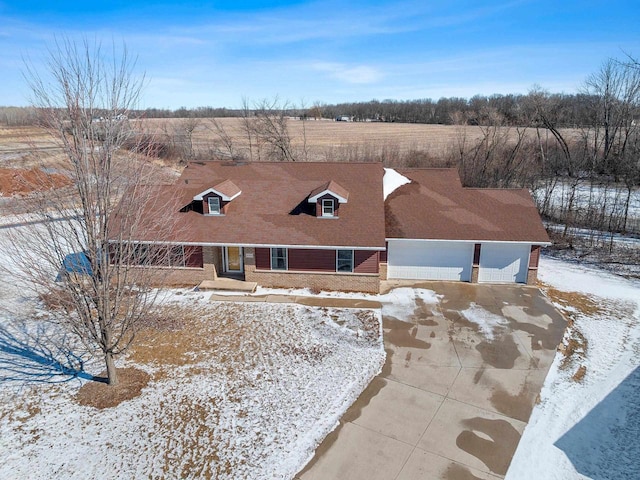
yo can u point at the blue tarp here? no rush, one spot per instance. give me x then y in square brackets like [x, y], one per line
[77, 262]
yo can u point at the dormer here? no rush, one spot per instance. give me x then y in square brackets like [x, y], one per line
[328, 198]
[215, 200]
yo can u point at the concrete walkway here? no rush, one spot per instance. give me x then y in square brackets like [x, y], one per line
[301, 300]
[453, 398]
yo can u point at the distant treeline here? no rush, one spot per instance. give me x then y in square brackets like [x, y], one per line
[571, 110]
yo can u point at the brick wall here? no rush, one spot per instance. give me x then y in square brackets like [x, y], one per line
[532, 276]
[211, 260]
[475, 272]
[383, 270]
[369, 283]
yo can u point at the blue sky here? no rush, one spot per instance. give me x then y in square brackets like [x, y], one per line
[217, 52]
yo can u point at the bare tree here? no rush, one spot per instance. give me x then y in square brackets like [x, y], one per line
[271, 128]
[184, 131]
[84, 97]
[248, 125]
[223, 139]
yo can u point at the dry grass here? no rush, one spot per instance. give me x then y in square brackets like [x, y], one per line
[100, 395]
[574, 300]
[175, 335]
[580, 373]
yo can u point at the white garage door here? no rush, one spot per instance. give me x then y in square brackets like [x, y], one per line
[504, 263]
[420, 260]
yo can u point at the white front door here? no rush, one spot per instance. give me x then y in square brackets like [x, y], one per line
[233, 262]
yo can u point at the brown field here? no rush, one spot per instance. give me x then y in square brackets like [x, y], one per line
[329, 140]
[25, 147]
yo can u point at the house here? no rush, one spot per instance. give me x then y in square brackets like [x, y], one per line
[343, 226]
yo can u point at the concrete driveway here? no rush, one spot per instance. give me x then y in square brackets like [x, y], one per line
[460, 382]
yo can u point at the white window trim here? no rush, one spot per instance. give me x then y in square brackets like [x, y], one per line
[333, 207]
[286, 259]
[353, 260]
[219, 212]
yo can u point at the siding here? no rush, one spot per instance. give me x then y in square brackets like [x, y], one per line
[193, 256]
[318, 260]
[384, 253]
[312, 260]
[263, 258]
[366, 261]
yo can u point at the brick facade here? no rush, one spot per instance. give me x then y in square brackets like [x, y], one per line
[315, 281]
[356, 282]
[383, 270]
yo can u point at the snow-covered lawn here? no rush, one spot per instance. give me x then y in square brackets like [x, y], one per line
[240, 391]
[588, 427]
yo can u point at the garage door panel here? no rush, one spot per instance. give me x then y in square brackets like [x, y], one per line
[504, 263]
[430, 260]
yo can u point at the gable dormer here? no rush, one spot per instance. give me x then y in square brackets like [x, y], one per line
[328, 198]
[215, 200]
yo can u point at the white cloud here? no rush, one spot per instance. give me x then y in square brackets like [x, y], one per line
[358, 74]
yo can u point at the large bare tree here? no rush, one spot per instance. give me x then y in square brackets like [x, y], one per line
[86, 268]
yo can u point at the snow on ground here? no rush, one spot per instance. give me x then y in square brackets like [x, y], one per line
[613, 197]
[588, 428]
[488, 323]
[391, 181]
[242, 391]
[401, 302]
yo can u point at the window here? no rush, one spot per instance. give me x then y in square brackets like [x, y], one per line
[214, 205]
[278, 259]
[327, 207]
[344, 262]
[176, 256]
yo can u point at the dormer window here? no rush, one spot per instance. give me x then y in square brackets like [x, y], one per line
[214, 205]
[328, 199]
[327, 207]
[216, 200]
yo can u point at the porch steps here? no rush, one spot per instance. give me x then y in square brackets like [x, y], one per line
[228, 284]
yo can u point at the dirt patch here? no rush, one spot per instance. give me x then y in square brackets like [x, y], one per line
[17, 181]
[100, 395]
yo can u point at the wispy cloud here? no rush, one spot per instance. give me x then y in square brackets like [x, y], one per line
[357, 74]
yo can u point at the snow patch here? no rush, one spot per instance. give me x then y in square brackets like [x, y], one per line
[402, 302]
[588, 429]
[488, 323]
[391, 181]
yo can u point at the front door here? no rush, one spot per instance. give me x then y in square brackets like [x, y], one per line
[233, 259]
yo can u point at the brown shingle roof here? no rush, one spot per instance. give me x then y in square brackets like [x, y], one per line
[273, 207]
[332, 187]
[227, 188]
[436, 206]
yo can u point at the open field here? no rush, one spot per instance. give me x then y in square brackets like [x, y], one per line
[336, 141]
[325, 139]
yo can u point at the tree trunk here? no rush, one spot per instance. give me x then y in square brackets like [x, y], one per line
[112, 374]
